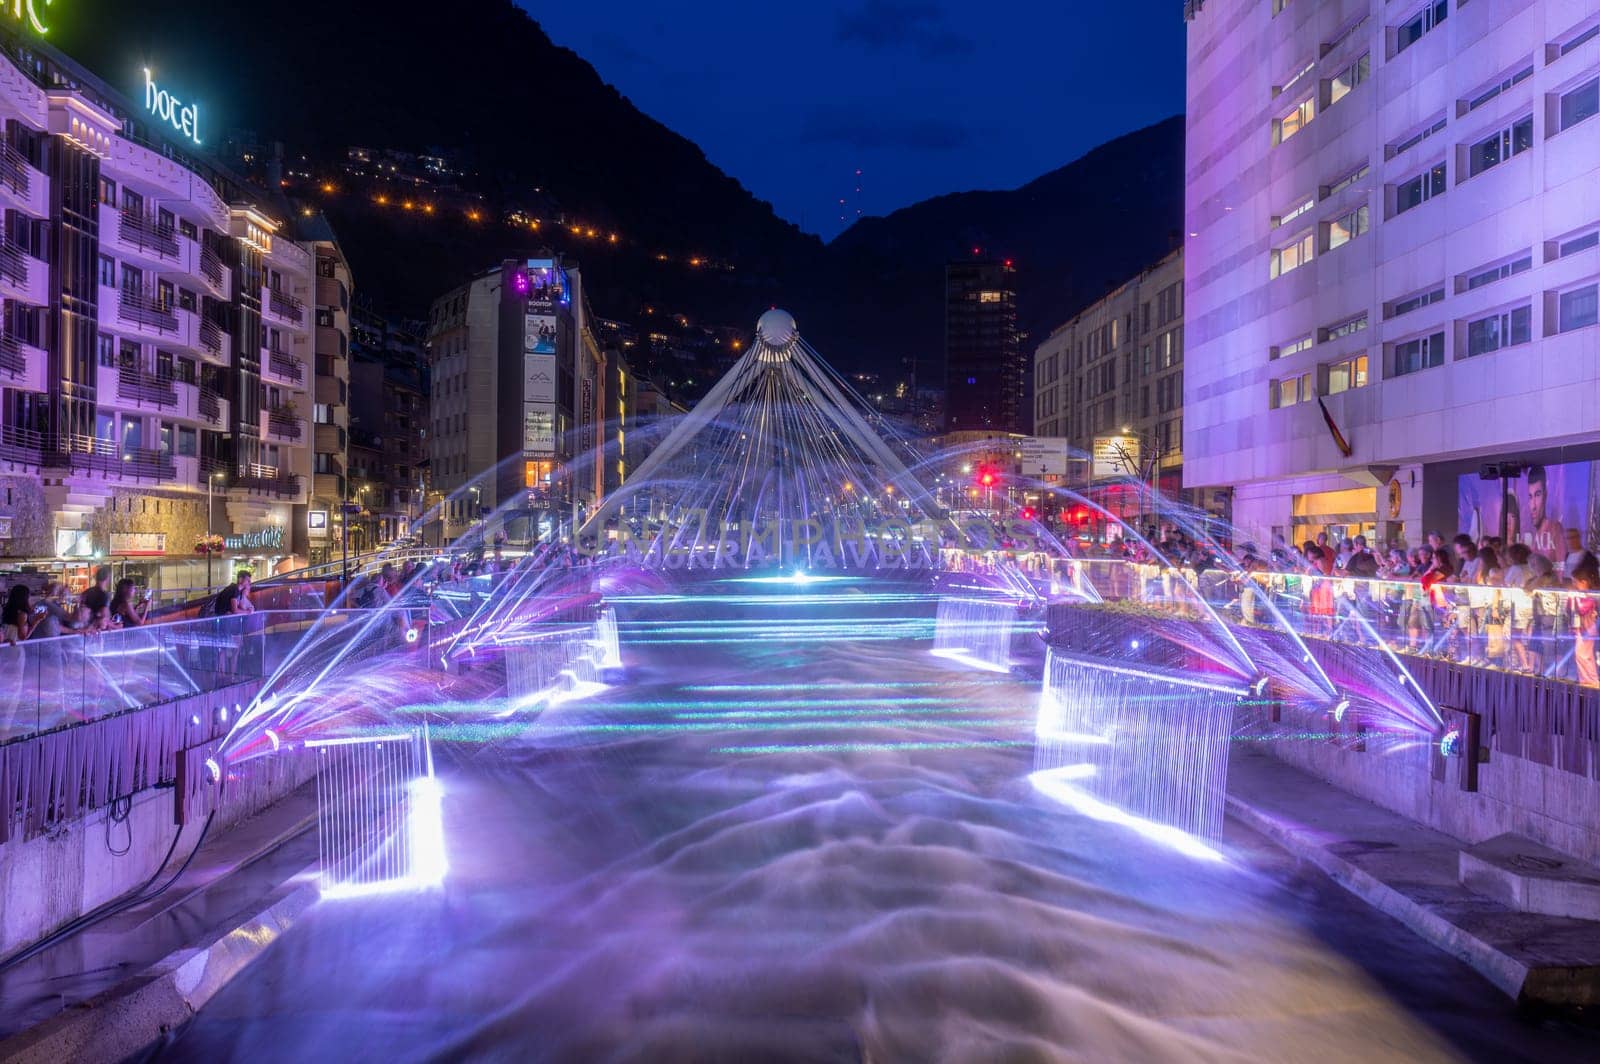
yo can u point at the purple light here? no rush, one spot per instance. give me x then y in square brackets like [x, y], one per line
[519, 282]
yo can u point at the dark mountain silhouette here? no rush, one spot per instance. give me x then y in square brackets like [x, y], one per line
[480, 79]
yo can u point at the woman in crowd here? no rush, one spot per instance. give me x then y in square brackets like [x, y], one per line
[16, 617]
[1585, 620]
[124, 610]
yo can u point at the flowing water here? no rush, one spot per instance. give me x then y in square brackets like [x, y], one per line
[791, 848]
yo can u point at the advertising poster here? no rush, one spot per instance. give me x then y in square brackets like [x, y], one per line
[538, 378]
[538, 431]
[1544, 506]
[538, 333]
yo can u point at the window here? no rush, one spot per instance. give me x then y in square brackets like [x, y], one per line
[1345, 35]
[1293, 347]
[1290, 391]
[1505, 329]
[1420, 189]
[1581, 38]
[1494, 89]
[1419, 354]
[325, 318]
[1169, 303]
[1279, 90]
[1347, 374]
[1498, 147]
[1407, 143]
[1417, 26]
[108, 192]
[1574, 244]
[1292, 256]
[988, 297]
[1293, 122]
[187, 440]
[1339, 330]
[1294, 212]
[1345, 228]
[1491, 274]
[1169, 346]
[1578, 308]
[108, 272]
[1580, 103]
[1345, 81]
[1345, 182]
[1416, 302]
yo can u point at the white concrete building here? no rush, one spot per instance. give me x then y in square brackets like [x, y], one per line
[1393, 208]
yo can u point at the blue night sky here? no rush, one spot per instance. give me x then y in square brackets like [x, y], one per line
[924, 96]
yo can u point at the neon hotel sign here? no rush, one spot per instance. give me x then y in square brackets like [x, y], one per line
[26, 10]
[167, 107]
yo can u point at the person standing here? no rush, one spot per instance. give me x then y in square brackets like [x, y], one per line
[97, 600]
[235, 598]
[1585, 624]
[16, 617]
[52, 619]
[124, 610]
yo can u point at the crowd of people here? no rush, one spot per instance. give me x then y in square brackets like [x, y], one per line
[54, 612]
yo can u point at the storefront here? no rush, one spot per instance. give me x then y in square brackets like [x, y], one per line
[1342, 513]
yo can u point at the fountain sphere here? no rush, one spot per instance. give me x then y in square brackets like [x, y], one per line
[776, 330]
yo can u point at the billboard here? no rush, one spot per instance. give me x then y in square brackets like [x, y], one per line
[1543, 506]
[538, 378]
[538, 431]
[547, 287]
[538, 333]
[1115, 456]
[139, 544]
[1043, 456]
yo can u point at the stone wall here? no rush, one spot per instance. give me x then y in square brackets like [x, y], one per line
[181, 516]
[32, 534]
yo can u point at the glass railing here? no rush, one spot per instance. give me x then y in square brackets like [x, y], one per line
[1539, 631]
[78, 677]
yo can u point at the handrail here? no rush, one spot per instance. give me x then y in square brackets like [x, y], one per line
[285, 305]
[211, 267]
[285, 365]
[12, 359]
[144, 386]
[147, 233]
[13, 263]
[145, 308]
[15, 170]
[210, 336]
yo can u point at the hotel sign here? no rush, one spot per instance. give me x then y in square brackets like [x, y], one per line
[183, 118]
[269, 538]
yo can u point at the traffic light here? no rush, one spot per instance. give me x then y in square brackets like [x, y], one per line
[987, 477]
[1029, 513]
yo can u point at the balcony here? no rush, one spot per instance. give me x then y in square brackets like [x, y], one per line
[282, 366]
[282, 306]
[148, 311]
[23, 364]
[148, 236]
[265, 481]
[142, 387]
[22, 446]
[89, 453]
[212, 407]
[284, 424]
[212, 340]
[213, 272]
[22, 186]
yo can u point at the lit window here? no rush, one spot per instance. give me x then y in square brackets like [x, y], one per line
[1498, 147]
[1578, 308]
[1291, 390]
[1347, 79]
[1504, 329]
[1292, 82]
[1413, 356]
[1581, 103]
[1350, 373]
[1293, 122]
[988, 297]
[1344, 229]
[1417, 26]
[1292, 256]
[1293, 347]
[1420, 189]
[1345, 182]
[1294, 212]
[1348, 327]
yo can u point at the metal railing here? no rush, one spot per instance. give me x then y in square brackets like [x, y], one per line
[91, 453]
[12, 360]
[147, 233]
[13, 264]
[282, 423]
[16, 173]
[1541, 630]
[210, 336]
[21, 445]
[210, 267]
[75, 678]
[282, 485]
[210, 406]
[145, 308]
[285, 305]
[285, 365]
[145, 387]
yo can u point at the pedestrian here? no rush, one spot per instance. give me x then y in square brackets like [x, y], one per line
[16, 617]
[1585, 623]
[52, 619]
[235, 598]
[123, 608]
[97, 600]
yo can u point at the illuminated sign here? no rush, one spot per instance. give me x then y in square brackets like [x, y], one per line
[271, 538]
[28, 9]
[1115, 456]
[317, 521]
[170, 109]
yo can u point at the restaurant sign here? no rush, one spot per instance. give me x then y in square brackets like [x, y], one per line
[264, 538]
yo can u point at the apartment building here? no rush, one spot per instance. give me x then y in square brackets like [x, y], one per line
[984, 375]
[1110, 382]
[1392, 264]
[330, 409]
[389, 422]
[156, 343]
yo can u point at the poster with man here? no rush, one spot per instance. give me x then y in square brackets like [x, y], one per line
[1548, 507]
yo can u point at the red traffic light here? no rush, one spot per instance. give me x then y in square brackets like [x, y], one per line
[1029, 513]
[987, 477]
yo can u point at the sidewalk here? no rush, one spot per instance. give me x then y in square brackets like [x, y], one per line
[1412, 873]
[115, 987]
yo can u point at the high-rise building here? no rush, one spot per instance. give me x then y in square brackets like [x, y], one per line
[985, 370]
[518, 401]
[1393, 258]
[389, 421]
[154, 362]
[1110, 382]
[330, 410]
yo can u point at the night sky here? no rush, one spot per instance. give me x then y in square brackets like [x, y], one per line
[924, 96]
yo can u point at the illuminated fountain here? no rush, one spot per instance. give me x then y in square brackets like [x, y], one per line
[975, 631]
[380, 823]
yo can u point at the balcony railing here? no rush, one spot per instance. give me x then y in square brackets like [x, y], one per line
[210, 466]
[143, 386]
[12, 360]
[211, 406]
[211, 267]
[283, 424]
[147, 309]
[89, 452]
[211, 336]
[15, 172]
[286, 306]
[268, 484]
[21, 445]
[285, 365]
[148, 234]
[13, 264]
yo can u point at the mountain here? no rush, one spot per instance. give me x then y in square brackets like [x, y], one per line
[533, 121]
[1072, 233]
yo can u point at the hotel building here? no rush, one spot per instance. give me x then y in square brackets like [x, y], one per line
[155, 353]
[1392, 216]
